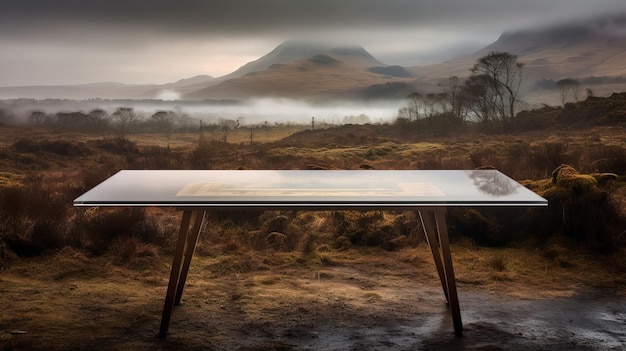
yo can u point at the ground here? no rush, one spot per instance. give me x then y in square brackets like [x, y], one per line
[360, 299]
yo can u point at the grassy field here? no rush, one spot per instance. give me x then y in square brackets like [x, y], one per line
[578, 243]
[44, 169]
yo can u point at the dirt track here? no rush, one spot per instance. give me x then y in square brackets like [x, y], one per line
[374, 303]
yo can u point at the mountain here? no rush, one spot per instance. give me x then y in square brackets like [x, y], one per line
[303, 70]
[593, 52]
[590, 49]
[286, 52]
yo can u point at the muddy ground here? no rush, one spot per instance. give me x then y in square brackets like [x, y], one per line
[354, 301]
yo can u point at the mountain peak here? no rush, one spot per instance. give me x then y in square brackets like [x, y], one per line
[294, 50]
[352, 51]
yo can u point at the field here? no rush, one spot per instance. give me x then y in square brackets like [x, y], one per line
[73, 278]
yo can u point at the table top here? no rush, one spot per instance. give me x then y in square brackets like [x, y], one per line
[309, 189]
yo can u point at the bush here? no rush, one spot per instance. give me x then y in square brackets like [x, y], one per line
[373, 228]
[579, 208]
[99, 228]
[32, 216]
[475, 224]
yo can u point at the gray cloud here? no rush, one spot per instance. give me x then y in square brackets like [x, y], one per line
[277, 16]
[75, 34]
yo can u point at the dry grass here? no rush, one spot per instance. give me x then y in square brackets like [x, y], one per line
[44, 169]
[59, 176]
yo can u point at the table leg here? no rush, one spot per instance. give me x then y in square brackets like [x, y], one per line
[442, 230]
[426, 218]
[191, 246]
[437, 238]
[175, 272]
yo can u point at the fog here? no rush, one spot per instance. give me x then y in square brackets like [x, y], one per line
[270, 110]
[249, 112]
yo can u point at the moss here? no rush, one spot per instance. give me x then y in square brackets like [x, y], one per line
[538, 186]
[566, 182]
[569, 180]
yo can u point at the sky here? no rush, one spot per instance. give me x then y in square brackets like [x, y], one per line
[53, 42]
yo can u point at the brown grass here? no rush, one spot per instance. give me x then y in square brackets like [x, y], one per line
[561, 249]
[43, 172]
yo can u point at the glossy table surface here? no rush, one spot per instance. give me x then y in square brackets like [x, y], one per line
[309, 188]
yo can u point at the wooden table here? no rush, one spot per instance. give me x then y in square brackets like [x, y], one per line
[195, 192]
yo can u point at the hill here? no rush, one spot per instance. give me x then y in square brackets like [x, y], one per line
[607, 112]
[592, 52]
[299, 70]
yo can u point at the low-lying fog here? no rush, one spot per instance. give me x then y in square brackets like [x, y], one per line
[251, 112]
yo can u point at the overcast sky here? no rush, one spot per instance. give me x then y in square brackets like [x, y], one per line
[44, 42]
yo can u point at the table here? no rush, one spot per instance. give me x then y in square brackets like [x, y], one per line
[194, 192]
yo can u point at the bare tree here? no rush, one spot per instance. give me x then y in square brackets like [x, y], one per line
[97, 117]
[503, 74]
[37, 118]
[228, 124]
[71, 120]
[415, 105]
[163, 121]
[476, 97]
[568, 86]
[125, 120]
[452, 93]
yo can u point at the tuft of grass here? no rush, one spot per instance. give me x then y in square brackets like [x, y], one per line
[497, 262]
[132, 249]
[10, 179]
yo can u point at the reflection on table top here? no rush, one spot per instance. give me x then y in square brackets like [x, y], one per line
[310, 188]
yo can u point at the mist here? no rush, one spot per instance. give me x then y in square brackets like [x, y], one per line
[280, 110]
[249, 112]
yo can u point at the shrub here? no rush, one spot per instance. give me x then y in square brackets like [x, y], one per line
[474, 223]
[33, 215]
[578, 208]
[118, 146]
[546, 156]
[131, 249]
[95, 230]
[390, 231]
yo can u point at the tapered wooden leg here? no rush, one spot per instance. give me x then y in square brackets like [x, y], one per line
[175, 273]
[426, 217]
[191, 246]
[453, 299]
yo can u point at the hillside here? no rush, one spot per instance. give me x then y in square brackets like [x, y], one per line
[326, 73]
[592, 52]
[287, 52]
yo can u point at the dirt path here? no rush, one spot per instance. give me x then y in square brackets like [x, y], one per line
[375, 303]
